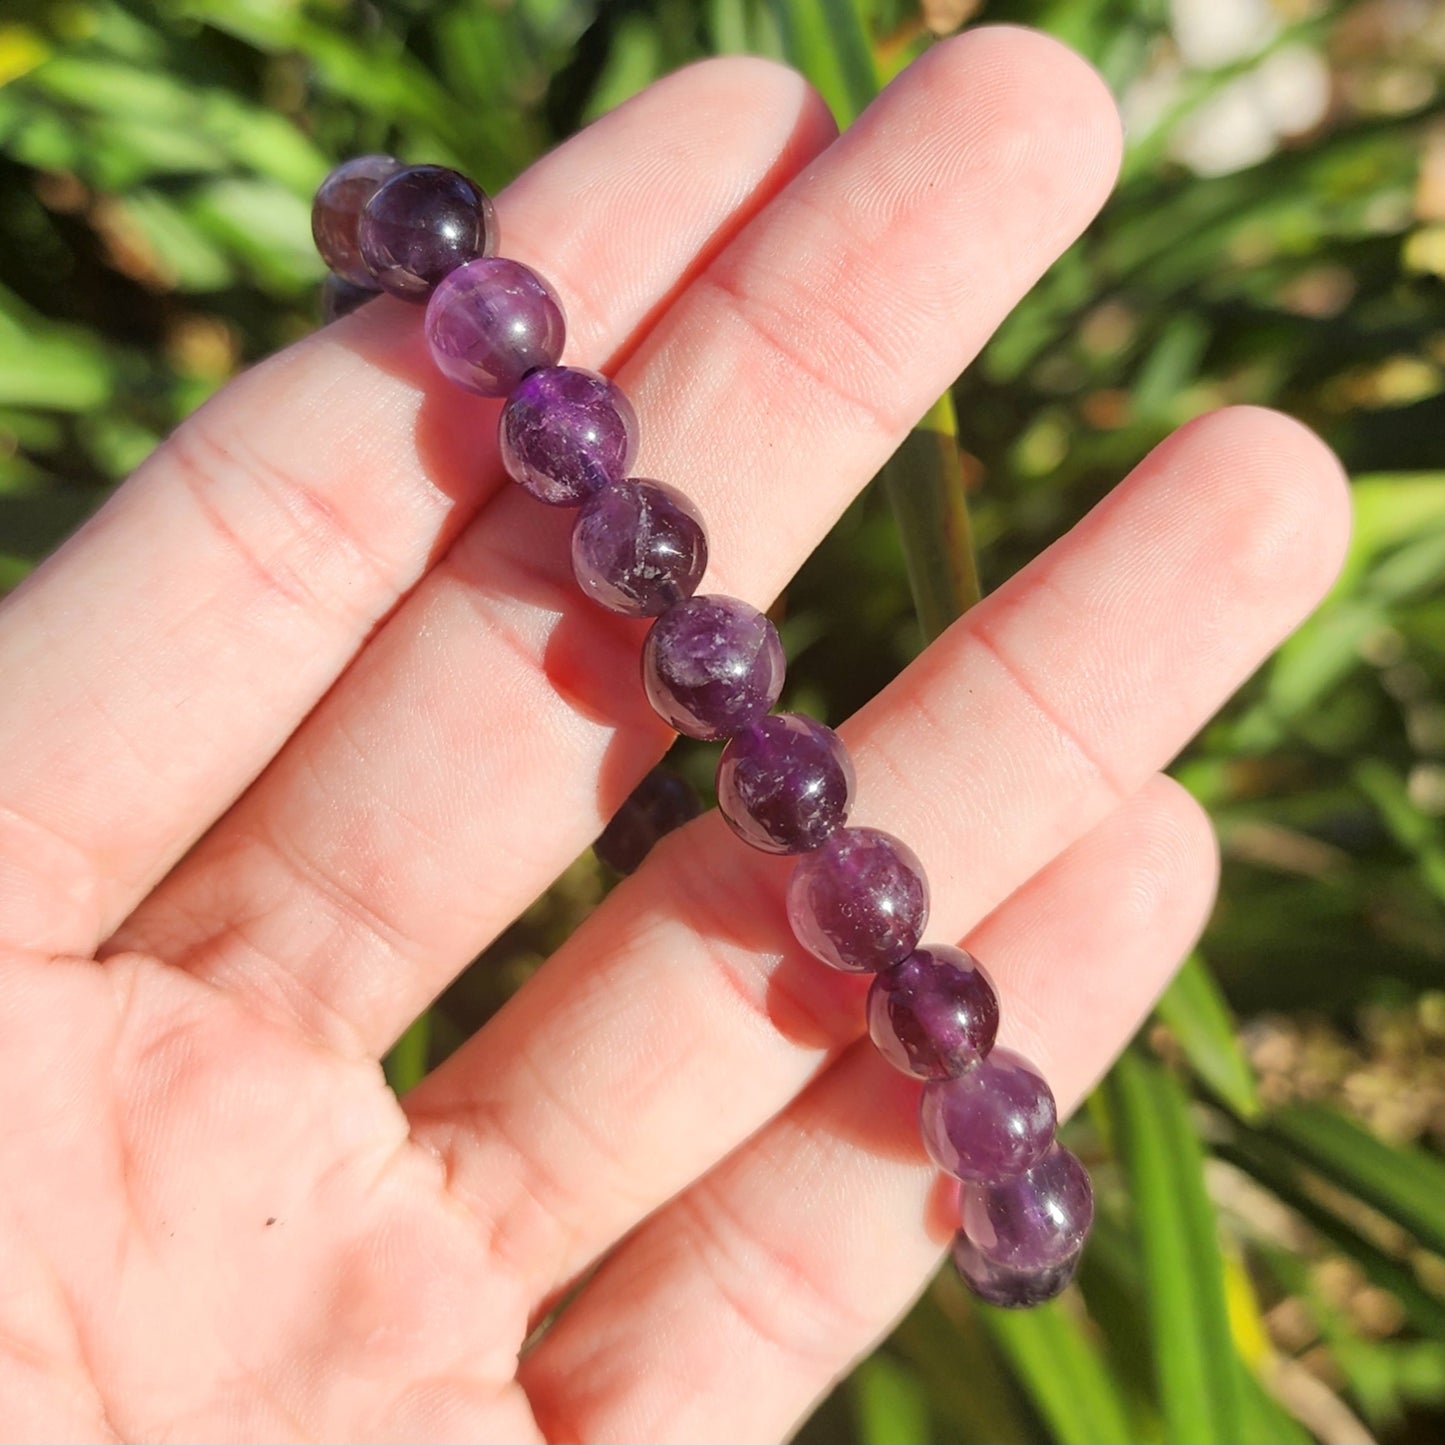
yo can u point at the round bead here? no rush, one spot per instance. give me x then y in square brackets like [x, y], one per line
[340, 298]
[860, 902]
[661, 802]
[422, 224]
[998, 1284]
[337, 208]
[994, 1121]
[490, 322]
[785, 783]
[935, 1014]
[566, 433]
[638, 547]
[712, 666]
[1037, 1219]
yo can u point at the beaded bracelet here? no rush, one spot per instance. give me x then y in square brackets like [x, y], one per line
[712, 668]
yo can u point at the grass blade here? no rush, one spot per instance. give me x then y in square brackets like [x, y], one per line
[406, 1064]
[923, 481]
[1063, 1371]
[1199, 1018]
[1280, 1174]
[1405, 1184]
[890, 1403]
[828, 41]
[1195, 1362]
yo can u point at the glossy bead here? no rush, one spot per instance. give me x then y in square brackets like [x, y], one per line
[994, 1121]
[566, 433]
[935, 1014]
[860, 902]
[999, 1284]
[712, 666]
[422, 224]
[490, 322]
[661, 802]
[785, 783]
[638, 547]
[340, 298]
[337, 208]
[1037, 1219]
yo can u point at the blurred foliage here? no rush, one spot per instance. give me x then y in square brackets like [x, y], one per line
[1270, 1191]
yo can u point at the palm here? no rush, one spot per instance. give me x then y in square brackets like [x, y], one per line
[316, 629]
[232, 1237]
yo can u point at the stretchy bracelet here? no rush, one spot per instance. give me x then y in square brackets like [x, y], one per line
[712, 668]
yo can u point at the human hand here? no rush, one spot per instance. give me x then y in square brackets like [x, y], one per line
[318, 624]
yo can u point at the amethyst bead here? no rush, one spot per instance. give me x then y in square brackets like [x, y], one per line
[935, 1014]
[712, 666]
[638, 547]
[661, 802]
[422, 224]
[994, 1121]
[1001, 1284]
[1037, 1219]
[337, 208]
[566, 433]
[785, 783]
[490, 322]
[860, 902]
[340, 298]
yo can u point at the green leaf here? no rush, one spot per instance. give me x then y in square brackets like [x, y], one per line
[1415, 831]
[261, 223]
[890, 1403]
[972, 1396]
[1390, 510]
[828, 41]
[49, 366]
[32, 524]
[1195, 1363]
[1063, 1371]
[182, 252]
[1199, 1018]
[1406, 1184]
[406, 1064]
[923, 481]
[1281, 1174]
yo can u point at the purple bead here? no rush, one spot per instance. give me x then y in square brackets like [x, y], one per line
[566, 433]
[340, 298]
[785, 783]
[935, 1014]
[712, 666]
[337, 208]
[860, 902]
[998, 1284]
[1035, 1220]
[661, 802]
[638, 547]
[422, 224]
[994, 1121]
[490, 322]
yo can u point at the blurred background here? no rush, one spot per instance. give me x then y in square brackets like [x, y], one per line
[1269, 1261]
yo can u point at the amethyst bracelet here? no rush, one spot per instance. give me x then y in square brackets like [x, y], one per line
[713, 668]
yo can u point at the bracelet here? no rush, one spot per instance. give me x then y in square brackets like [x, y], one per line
[712, 668]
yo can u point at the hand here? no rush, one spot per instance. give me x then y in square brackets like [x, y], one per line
[320, 629]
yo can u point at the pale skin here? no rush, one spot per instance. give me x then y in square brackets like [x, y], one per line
[321, 634]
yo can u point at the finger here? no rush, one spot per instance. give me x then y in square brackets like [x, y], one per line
[457, 770]
[174, 643]
[793, 1256]
[685, 1015]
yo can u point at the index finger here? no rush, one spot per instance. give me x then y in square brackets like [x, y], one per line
[172, 646]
